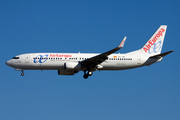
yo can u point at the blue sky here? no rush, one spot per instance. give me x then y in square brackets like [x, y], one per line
[145, 93]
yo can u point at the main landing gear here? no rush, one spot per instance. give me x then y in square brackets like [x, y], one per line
[86, 75]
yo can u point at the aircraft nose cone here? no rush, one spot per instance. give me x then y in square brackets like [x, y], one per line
[8, 62]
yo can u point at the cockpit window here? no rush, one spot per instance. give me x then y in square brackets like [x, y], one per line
[15, 58]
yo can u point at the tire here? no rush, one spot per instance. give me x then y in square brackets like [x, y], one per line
[85, 76]
[22, 74]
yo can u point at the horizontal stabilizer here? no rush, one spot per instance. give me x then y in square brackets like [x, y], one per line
[162, 55]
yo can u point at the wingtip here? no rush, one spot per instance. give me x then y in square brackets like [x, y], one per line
[122, 43]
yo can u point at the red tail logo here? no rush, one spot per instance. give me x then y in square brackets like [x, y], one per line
[151, 42]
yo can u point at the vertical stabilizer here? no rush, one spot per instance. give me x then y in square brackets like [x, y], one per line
[155, 43]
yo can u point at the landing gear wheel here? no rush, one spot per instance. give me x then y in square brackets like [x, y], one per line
[90, 73]
[22, 74]
[85, 76]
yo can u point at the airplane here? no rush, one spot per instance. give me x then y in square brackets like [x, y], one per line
[71, 63]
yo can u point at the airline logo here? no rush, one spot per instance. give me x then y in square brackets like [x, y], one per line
[157, 46]
[58, 55]
[40, 58]
[152, 42]
[43, 58]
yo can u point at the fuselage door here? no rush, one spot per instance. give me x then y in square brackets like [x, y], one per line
[27, 60]
[138, 59]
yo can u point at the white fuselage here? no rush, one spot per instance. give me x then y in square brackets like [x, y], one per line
[56, 61]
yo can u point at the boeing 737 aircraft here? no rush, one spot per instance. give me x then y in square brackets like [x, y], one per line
[71, 63]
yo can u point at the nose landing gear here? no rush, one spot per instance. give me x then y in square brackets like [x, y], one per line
[22, 74]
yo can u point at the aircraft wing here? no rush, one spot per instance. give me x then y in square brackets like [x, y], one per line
[93, 61]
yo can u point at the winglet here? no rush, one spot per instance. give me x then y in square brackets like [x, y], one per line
[122, 43]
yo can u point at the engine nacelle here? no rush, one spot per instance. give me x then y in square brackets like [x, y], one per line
[66, 72]
[72, 66]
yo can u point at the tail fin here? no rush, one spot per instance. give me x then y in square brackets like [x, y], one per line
[155, 43]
